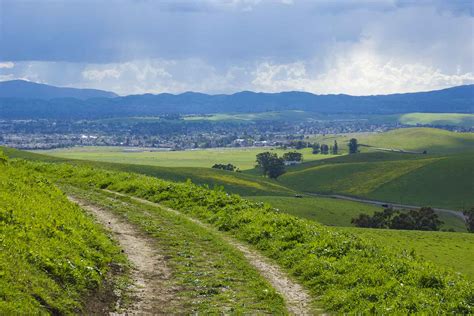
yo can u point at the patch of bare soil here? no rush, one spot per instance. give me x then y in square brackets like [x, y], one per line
[150, 272]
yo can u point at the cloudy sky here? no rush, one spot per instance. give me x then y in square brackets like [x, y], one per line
[224, 46]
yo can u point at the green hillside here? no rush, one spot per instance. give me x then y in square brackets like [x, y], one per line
[345, 272]
[335, 212]
[444, 182]
[435, 141]
[444, 249]
[51, 254]
[454, 119]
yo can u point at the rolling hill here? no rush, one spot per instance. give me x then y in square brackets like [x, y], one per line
[435, 181]
[14, 106]
[418, 139]
[31, 90]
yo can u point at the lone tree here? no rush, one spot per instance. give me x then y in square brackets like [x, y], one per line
[469, 216]
[293, 156]
[353, 146]
[271, 165]
[335, 148]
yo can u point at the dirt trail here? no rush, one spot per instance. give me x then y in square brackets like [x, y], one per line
[149, 273]
[296, 298]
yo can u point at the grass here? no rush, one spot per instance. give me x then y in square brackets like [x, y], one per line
[52, 254]
[243, 158]
[208, 275]
[334, 212]
[449, 250]
[347, 272]
[453, 119]
[435, 141]
[239, 183]
[323, 210]
[444, 182]
[287, 116]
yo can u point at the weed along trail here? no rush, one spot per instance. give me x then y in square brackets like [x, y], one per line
[150, 271]
[297, 300]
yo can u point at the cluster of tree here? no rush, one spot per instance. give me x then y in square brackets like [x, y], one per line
[325, 149]
[271, 165]
[469, 218]
[423, 219]
[293, 156]
[227, 167]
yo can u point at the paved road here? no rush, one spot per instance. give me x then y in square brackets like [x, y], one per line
[381, 203]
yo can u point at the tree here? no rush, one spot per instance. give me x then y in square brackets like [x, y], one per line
[228, 167]
[353, 146]
[316, 148]
[335, 148]
[293, 156]
[276, 168]
[324, 149]
[469, 217]
[271, 165]
[423, 219]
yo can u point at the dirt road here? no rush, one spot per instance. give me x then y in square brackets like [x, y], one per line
[381, 203]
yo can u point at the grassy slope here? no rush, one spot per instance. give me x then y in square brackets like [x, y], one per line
[323, 210]
[444, 182]
[51, 253]
[350, 273]
[435, 141]
[243, 158]
[454, 119]
[445, 249]
[327, 211]
[234, 182]
[333, 212]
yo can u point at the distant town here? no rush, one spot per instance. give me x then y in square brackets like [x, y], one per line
[175, 133]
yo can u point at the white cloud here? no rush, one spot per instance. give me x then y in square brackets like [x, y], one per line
[99, 75]
[7, 65]
[358, 70]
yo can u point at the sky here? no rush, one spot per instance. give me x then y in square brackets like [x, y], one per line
[225, 46]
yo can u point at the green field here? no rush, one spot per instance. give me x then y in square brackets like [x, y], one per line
[335, 212]
[434, 141]
[444, 182]
[450, 250]
[413, 119]
[454, 119]
[287, 116]
[327, 211]
[243, 158]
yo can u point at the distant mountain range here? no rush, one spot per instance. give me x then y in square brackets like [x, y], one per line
[25, 100]
[32, 90]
